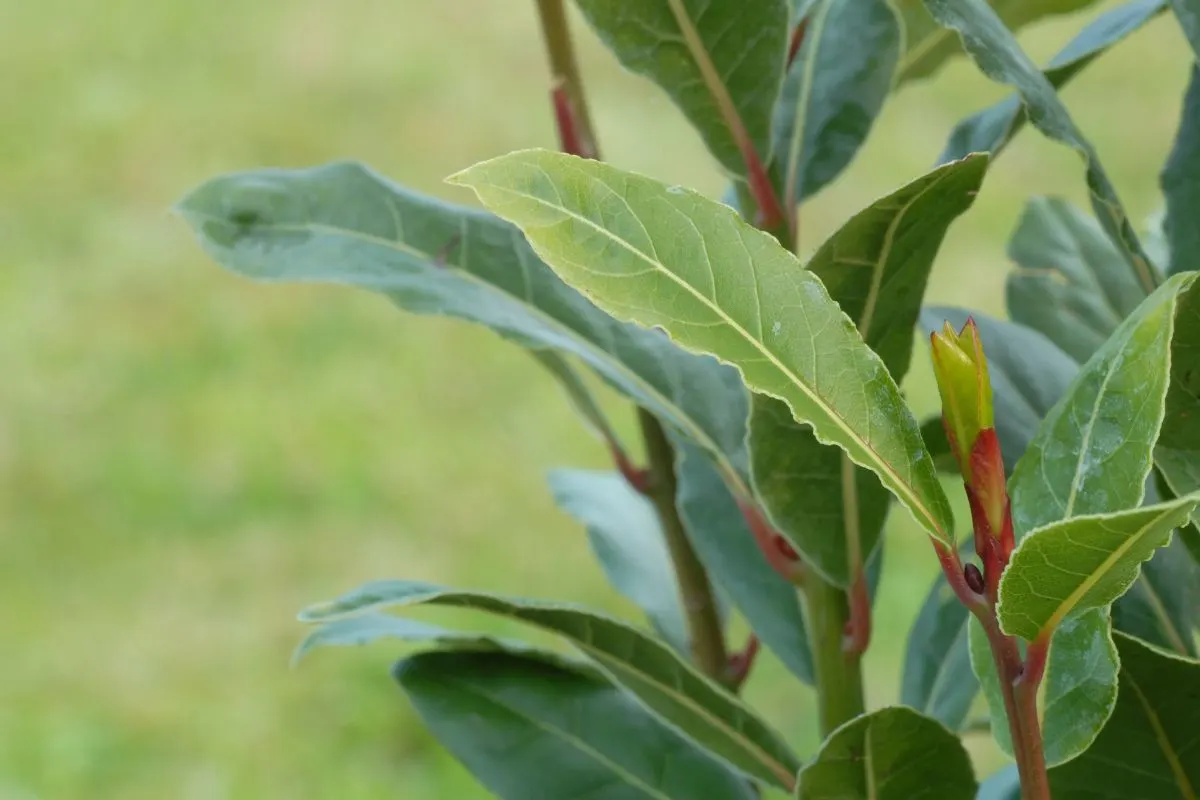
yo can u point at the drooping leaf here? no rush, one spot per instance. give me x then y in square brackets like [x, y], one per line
[625, 535]
[937, 678]
[990, 130]
[344, 224]
[719, 533]
[1148, 748]
[996, 52]
[647, 668]
[665, 256]
[1188, 14]
[1092, 454]
[1082, 562]
[1161, 607]
[833, 91]
[525, 728]
[1072, 284]
[1004, 784]
[1180, 177]
[367, 628]
[1028, 372]
[890, 754]
[720, 61]
[928, 45]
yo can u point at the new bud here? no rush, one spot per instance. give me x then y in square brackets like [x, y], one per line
[962, 379]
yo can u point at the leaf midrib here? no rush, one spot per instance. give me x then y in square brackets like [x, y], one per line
[1163, 741]
[914, 501]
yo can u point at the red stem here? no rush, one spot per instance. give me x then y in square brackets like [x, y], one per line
[858, 627]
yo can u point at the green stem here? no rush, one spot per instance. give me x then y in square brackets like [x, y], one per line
[565, 68]
[839, 670]
[699, 603]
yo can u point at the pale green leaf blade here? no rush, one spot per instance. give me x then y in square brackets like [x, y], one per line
[722, 540]
[626, 538]
[344, 224]
[937, 679]
[665, 256]
[890, 754]
[990, 130]
[705, 54]
[1179, 180]
[1081, 563]
[1072, 284]
[1092, 454]
[996, 52]
[647, 668]
[525, 729]
[833, 92]
[876, 267]
[1029, 374]
[928, 45]
[1148, 748]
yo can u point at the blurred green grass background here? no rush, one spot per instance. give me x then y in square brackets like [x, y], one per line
[187, 458]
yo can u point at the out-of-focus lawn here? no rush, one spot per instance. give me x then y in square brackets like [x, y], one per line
[187, 458]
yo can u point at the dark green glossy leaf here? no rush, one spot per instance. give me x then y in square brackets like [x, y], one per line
[876, 267]
[1180, 179]
[889, 754]
[725, 545]
[705, 54]
[938, 679]
[1177, 453]
[1080, 687]
[994, 49]
[989, 130]
[1072, 284]
[344, 224]
[625, 535]
[647, 668]
[928, 45]
[1161, 607]
[1148, 748]
[525, 729]
[833, 91]
[648, 252]
[1029, 374]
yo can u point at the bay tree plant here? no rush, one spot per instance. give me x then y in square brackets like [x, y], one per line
[775, 437]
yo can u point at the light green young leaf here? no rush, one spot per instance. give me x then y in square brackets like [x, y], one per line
[833, 91]
[994, 49]
[564, 734]
[723, 541]
[928, 45]
[1179, 180]
[1072, 284]
[876, 268]
[1080, 563]
[937, 678]
[990, 130]
[665, 683]
[665, 256]
[890, 754]
[1092, 454]
[720, 61]
[623, 529]
[344, 224]
[1029, 375]
[1148, 748]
